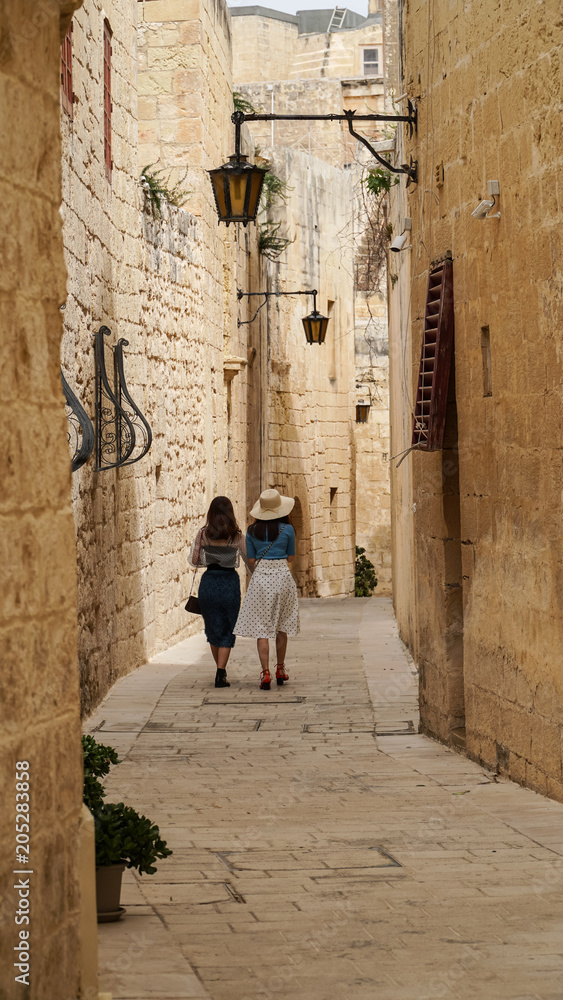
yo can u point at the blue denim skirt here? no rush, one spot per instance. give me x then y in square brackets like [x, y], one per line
[219, 600]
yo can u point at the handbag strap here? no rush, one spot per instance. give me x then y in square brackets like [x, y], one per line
[270, 545]
[196, 561]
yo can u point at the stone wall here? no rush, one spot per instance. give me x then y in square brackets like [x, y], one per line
[487, 629]
[307, 390]
[165, 284]
[326, 75]
[40, 705]
[268, 48]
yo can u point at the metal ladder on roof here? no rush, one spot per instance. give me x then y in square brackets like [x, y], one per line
[337, 19]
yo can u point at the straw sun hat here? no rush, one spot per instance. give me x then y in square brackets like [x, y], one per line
[271, 504]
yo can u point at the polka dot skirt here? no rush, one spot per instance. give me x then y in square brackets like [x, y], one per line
[271, 604]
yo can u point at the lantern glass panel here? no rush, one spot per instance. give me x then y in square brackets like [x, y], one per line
[237, 189]
[255, 190]
[219, 190]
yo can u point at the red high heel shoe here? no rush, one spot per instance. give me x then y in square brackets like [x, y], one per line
[281, 674]
[265, 680]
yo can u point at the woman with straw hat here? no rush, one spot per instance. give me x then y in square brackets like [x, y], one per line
[270, 609]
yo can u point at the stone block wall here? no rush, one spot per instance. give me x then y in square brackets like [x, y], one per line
[307, 390]
[487, 554]
[40, 703]
[319, 92]
[165, 284]
[270, 48]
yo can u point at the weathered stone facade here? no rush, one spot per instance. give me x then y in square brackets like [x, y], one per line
[314, 70]
[167, 284]
[40, 704]
[305, 447]
[477, 546]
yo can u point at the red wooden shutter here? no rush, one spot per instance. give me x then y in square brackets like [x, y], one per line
[107, 100]
[67, 96]
[435, 359]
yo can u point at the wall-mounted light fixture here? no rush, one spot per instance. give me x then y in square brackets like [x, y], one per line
[237, 185]
[362, 411]
[315, 324]
[399, 243]
[484, 207]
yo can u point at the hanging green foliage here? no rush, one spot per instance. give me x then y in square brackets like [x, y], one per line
[379, 180]
[157, 191]
[242, 103]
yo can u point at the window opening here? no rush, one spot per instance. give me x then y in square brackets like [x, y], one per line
[107, 99]
[371, 62]
[486, 357]
[67, 96]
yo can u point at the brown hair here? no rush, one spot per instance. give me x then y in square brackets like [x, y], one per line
[265, 531]
[221, 521]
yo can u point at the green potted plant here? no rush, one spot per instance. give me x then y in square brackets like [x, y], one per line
[365, 578]
[124, 838]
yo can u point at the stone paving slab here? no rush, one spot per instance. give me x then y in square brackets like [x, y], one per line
[322, 848]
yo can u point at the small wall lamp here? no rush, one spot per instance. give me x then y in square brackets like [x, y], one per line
[315, 324]
[362, 411]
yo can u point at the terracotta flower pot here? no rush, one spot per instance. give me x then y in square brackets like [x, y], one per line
[108, 892]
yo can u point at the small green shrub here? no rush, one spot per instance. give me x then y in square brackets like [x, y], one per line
[97, 762]
[122, 835]
[366, 580]
[157, 191]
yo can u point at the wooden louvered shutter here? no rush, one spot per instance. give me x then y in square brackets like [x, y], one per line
[67, 96]
[435, 359]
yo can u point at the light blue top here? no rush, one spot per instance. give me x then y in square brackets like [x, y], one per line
[283, 546]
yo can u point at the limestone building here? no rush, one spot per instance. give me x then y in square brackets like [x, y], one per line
[146, 101]
[40, 732]
[318, 61]
[476, 536]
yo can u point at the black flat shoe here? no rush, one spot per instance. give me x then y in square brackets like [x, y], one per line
[221, 679]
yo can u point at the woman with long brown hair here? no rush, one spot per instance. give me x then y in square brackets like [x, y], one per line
[218, 546]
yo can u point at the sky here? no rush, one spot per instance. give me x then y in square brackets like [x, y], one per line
[292, 6]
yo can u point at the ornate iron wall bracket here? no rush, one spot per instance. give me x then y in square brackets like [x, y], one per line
[81, 432]
[411, 119]
[128, 406]
[117, 415]
[267, 295]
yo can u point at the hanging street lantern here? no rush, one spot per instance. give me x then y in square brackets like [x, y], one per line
[362, 411]
[315, 324]
[237, 185]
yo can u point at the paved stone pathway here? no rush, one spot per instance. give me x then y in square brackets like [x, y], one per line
[323, 850]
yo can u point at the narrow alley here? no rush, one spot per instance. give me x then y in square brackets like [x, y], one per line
[322, 848]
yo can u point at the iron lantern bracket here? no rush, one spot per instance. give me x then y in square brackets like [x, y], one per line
[411, 119]
[267, 295]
